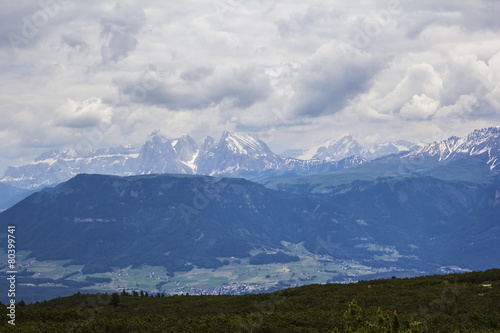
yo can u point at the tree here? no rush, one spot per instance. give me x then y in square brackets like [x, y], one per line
[352, 316]
[353, 322]
[115, 299]
[395, 323]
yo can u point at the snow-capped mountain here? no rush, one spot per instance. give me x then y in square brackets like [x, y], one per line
[236, 154]
[339, 148]
[242, 154]
[162, 155]
[57, 166]
[336, 149]
[484, 142]
[389, 148]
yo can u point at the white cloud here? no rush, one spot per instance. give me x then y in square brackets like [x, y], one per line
[288, 70]
[419, 79]
[89, 113]
[419, 107]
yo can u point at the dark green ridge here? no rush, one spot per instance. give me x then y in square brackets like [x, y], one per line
[467, 302]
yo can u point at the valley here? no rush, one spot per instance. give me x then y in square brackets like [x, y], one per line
[236, 277]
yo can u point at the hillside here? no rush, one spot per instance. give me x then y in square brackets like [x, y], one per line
[452, 303]
[200, 234]
[9, 195]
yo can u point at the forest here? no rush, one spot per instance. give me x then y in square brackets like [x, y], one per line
[465, 302]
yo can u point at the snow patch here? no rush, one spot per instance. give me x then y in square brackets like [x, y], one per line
[191, 163]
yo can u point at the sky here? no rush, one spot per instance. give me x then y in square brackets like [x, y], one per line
[94, 74]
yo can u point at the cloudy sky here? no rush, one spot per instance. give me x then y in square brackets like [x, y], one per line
[92, 74]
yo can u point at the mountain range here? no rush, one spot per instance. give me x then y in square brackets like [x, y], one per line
[339, 148]
[420, 211]
[235, 154]
[483, 142]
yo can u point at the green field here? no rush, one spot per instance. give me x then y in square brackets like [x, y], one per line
[236, 277]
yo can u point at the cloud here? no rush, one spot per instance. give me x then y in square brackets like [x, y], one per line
[304, 21]
[24, 25]
[471, 15]
[196, 74]
[420, 79]
[200, 87]
[292, 69]
[463, 107]
[329, 79]
[76, 43]
[419, 107]
[119, 31]
[89, 113]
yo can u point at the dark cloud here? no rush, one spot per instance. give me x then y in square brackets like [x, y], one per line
[75, 42]
[23, 24]
[200, 88]
[196, 74]
[119, 30]
[469, 15]
[331, 77]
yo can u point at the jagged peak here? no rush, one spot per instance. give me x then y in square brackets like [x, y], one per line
[345, 143]
[226, 135]
[156, 133]
[157, 136]
[453, 138]
[484, 131]
[243, 143]
[339, 139]
[48, 155]
[209, 144]
[238, 135]
[83, 153]
[209, 139]
[477, 142]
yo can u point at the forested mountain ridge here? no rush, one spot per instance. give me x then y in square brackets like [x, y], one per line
[452, 303]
